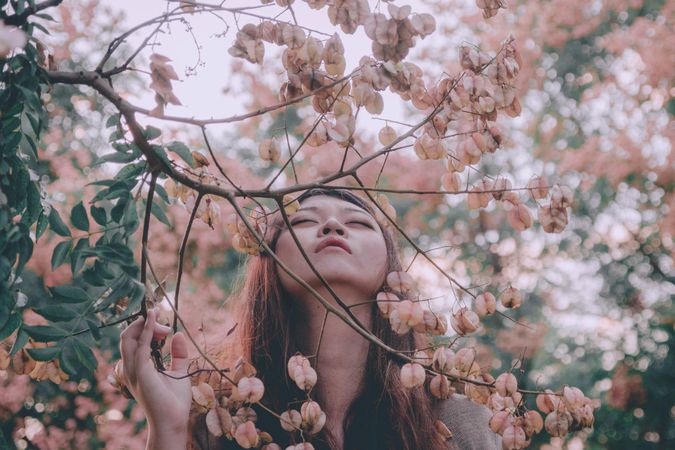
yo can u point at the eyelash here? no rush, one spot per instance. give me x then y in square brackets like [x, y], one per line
[308, 220]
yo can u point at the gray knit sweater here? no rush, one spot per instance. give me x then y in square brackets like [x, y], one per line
[467, 421]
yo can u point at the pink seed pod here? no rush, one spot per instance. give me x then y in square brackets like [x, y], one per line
[538, 188]
[514, 438]
[440, 387]
[313, 418]
[519, 217]
[561, 196]
[464, 359]
[485, 304]
[386, 301]
[443, 360]
[548, 402]
[532, 422]
[433, 323]
[573, 398]
[506, 384]
[412, 375]
[443, 430]
[290, 420]
[558, 423]
[400, 281]
[251, 389]
[500, 420]
[246, 435]
[271, 446]
[464, 321]
[511, 298]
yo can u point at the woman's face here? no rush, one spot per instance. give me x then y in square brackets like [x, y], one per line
[343, 242]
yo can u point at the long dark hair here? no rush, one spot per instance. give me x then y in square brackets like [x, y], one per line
[385, 415]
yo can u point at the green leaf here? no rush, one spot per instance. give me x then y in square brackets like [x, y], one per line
[11, 325]
[43, 333]
[76, 257]
[94, 328]
[56, 224]
[113, 120]
[99, 215]
[44, 354]
[183, 151]
[19, 343]
[41, 226]
[151, 132]
[70, 293]
[85, 355]
[62, 312]
[60, 253]
[78, 217]
[157, 211]
[120, 158]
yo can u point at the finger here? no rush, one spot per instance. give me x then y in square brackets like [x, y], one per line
[179, 353]
[128, 346]
[160, 332]
[148, 327]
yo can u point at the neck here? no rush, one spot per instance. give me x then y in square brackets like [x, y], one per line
[341, 355]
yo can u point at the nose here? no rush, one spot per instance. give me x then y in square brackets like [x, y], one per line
[333, 225]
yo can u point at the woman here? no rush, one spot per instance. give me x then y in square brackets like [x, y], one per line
[358, 383]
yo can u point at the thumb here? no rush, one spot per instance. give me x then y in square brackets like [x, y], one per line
[179, 353]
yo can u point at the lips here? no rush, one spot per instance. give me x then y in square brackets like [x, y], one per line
[333, 242]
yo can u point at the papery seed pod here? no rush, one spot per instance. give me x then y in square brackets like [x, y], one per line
[246, 435]
[409, 312]
[511, 298]
[558, 423]
[219, 421]
[514, 438]
[432, 323]
[538, 187]
[464, 321]
[464, 359]
[475, 393]
[500, 187]
[506, 384]
[485, 304]
[313, 418]
[251, 389]
[519, 217]
[548, 401]
[428, 147]
[451, 182]
[269, 150]
[387, 135]
[454, 163]
[440, 387]
[424, 24]
[500, 421]
[443, 430]
[301, 446]
[573, 398]
[532, 422]
[584, 416]
[443, 360]
[412, 375]
[271, 446]
[553, 220]
[200, 159]
[203, 396]
[290, 420]
[4, 359]
[400, 281]
[291, 205]
[561, 196]
[386, 302]
[247, 414]
[242, 368]
[118, 380]
[476, 198]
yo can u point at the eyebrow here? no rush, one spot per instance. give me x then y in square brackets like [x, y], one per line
[314, 208]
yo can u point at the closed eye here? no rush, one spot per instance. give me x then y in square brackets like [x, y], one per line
[366, 224]
[297, 222]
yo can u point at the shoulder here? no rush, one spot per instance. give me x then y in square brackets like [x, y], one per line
[468, 423]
